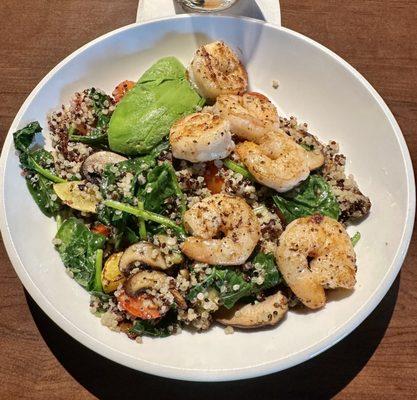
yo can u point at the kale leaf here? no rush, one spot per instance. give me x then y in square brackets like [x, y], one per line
[78, 248]
[39, 169]
[313, 196]
[232, 284]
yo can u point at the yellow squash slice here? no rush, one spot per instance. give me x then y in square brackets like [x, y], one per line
[111, 277]
[78, 195]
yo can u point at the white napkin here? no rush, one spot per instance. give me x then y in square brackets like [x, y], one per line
[267, 10]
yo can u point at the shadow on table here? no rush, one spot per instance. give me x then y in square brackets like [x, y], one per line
[322, 377]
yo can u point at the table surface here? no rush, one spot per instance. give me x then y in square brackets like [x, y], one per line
[377, 361]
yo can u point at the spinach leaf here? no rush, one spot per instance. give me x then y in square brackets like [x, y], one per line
[161, 184]
[39, 169]
[126, 224]
[155, 329]
[41, 190]
[238, 168]
[96, 285]
[233, 285]
[313, 196]
[94, 138]
[23, 139]
[98, 135]
[105, 298]
[78, 247]
[101, 102]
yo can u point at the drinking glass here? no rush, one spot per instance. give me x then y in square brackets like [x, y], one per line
[206, 5]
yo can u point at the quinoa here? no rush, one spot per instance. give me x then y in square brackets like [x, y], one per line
[170, 296]
[229, 330]
[353, 203]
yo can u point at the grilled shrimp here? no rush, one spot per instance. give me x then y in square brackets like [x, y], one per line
[250, 115]
[216, 70]
[201, 137]
[275, 160]
[217, 215]
[316, 253]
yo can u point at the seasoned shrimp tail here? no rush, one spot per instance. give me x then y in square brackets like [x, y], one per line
[316, 253]
[201, 137]
[219, 215]
[217, 70]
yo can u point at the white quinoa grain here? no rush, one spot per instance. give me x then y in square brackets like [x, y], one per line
[229, 330]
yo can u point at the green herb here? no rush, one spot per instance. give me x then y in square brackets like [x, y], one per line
[147, 216]
[313, 196]
[78, 248]
[232, 285]
[153, 328]
[239, 169]
[39, 169]
[355, 238]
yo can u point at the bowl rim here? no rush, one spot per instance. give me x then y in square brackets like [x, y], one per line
[192, 374]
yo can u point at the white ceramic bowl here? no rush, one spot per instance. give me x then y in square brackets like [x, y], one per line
[315, 85]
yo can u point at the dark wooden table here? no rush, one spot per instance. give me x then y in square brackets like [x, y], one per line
[378, 361]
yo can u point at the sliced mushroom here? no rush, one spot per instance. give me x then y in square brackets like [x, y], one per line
[146, 253]
[153, 280]
[268, 312]
[93, 165]
[145, 280]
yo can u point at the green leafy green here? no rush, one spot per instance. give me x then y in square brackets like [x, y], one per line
[97, 286]
[142, 224]
[238, 168]
[105, 298]
[153, 328]
[355, 238]
[126, 225]
[232, 285]
[147, 216]
[313, 196]
[94, 138]
[161, 184]
[78, 248]
[158, 188]
[23, 139]
[145, 114]
[98, 135]
[39, 169]
[40, 157]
